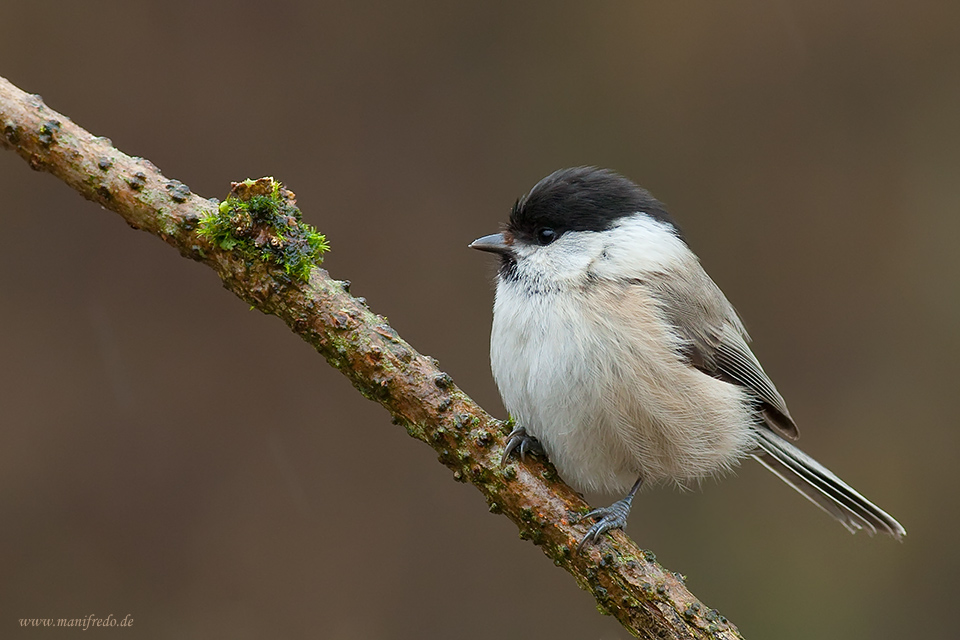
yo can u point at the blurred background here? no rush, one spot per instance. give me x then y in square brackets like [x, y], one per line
[169, 454]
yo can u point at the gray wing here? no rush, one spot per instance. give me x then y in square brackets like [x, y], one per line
[716, 342]
[713, 340]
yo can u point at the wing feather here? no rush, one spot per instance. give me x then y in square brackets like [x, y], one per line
[714, 339]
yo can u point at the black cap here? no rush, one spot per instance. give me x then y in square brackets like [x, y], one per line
[582, 199]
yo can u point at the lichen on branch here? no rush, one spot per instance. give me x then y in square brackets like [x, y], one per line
[260, 219]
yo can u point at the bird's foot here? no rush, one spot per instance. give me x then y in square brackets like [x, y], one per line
[520, 441]
[607, 519]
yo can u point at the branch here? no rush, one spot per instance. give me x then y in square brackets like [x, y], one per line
[626, 581]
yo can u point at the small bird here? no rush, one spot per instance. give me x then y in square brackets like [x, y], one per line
[621, 360]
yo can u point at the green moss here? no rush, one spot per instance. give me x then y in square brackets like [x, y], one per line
[260, 220]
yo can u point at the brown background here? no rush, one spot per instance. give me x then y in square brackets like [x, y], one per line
[170, 454]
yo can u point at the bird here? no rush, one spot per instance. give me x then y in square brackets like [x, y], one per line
[621, 360]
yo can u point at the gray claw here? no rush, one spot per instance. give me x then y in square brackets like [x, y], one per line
[518, 440]
[607, 519]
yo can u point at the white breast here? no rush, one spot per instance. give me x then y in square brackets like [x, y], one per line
[595, 376]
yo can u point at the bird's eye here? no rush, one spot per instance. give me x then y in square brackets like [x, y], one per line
[546, 236]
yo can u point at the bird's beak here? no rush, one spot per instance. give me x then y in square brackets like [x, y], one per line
[494, 243]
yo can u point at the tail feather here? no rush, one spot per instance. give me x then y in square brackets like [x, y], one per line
[819, 485]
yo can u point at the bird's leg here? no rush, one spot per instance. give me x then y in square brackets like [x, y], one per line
[607, 518]
[520, 441]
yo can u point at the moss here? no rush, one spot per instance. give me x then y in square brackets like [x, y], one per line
[260, 220]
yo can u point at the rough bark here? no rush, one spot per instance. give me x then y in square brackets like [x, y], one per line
[626, 581]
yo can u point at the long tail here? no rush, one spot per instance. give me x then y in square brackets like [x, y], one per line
[821, 487]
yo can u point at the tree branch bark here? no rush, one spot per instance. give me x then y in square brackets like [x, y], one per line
[626, 581]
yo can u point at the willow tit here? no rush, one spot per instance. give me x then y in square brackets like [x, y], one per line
[622, 361]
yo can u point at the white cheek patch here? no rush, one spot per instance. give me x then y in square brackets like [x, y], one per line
[639, 245]
[564, 261]
[635, 247]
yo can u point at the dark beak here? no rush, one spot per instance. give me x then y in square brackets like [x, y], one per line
[494, 243]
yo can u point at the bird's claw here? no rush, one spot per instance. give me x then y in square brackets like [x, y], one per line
[520, 441]
[607, 519]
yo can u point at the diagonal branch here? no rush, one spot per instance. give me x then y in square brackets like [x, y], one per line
[627, 582]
